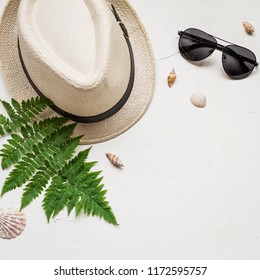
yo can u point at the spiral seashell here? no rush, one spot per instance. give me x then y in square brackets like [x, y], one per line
[12, 223]
[171, 78]
[115, 160]
[249, 28]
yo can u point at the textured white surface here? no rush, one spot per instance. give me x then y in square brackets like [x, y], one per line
[191, 184]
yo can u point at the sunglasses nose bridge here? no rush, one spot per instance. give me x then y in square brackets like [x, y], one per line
[220, 47]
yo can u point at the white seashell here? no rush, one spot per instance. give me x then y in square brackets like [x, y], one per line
[198, 99]
[171, 78]
[115, 160]
[12, 223]
[249, 28]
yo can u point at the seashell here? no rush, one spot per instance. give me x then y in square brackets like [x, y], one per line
[171, 78]
[115, 160]
[198, 99]
[249, 28]
[12, 223]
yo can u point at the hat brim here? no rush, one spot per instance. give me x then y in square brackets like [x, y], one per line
[144, 82]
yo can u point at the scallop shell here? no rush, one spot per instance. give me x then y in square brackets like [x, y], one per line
[115, 160]
[171, 78]
[198, 99]
[12, 223]
[249, 28]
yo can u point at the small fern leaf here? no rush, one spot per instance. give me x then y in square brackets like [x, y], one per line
[54, 164]
[24, 132]
[9, 109]
[28, 165]
[22, 114]
[73, 200]
[55, 198]
[87, 197]
[50, 169]
[65, 153]
[2, 133]
[49, 201]
[20, 174]
[94, 202]
[3, 119]
[13, 125]
[84, 178]
[8, 155]
[71, 170]
[21, 146]
[16, 106]
[61, 199]
[96, 205]
[35, 106]
[34, 188]
[75, 164]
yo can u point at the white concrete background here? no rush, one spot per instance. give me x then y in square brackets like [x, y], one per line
[190, 188]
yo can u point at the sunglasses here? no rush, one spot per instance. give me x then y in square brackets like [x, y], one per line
[195, 45]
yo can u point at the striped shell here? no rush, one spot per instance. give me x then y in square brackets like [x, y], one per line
[249, 28]
[12, 223]
[115, 160]
[171, 78]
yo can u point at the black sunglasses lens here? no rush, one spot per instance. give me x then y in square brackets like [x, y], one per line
[196, 45]
[238, 62]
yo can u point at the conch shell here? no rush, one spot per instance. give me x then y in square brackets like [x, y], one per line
[171, 78]
[115, 160]
[12, 223]
[249, 28]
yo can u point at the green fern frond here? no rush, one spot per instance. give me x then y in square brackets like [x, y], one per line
[78, 188]
[20, 115]
[75, 164]
[43, 156]
[88, 198]
[66, 152]
[34, 106]
[28, 165]
[19, 146]
[91, 196]
[40, 180]
[34, 188]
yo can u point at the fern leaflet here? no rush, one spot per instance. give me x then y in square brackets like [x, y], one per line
[89, 197]
[19, 146]
[28, 165]
[39, 181]
[20, 115]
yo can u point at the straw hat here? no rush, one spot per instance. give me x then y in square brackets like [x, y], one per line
[92, 58]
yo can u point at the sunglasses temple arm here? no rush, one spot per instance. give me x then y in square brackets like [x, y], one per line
[241, 58]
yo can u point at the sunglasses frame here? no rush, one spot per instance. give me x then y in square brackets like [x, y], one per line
[217, 46]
